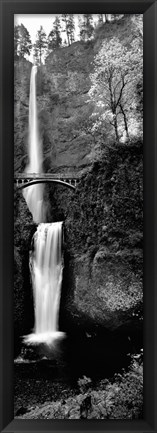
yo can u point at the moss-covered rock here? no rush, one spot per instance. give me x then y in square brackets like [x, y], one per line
[106, 291]
[104, 240]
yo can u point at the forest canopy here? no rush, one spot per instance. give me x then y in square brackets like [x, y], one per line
[66, 29]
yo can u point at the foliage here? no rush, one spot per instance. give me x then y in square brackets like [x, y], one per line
[22, 41]
[84, 384]
[40, 45]
[86, 27]
[16, 40]
[106, 208]
[117, 74]
[69, 27]
[100, 18]
[118, 398]
[54, 37]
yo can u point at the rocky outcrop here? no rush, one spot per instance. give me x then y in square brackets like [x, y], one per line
[23, 297]
[107, 291]
[104, 240]
[62, 94]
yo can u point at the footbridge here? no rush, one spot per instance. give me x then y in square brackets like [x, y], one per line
[23, 180]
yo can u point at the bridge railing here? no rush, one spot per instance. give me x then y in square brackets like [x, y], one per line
[24, 179]
[46, 176]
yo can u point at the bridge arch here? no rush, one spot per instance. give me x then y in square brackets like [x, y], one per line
[33, 182]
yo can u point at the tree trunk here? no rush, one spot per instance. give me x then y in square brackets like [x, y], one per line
[125, 121]
[40, 56]
[106, 18]
[116, 127]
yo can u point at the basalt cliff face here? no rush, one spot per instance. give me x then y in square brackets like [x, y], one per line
[104, 239]
[102, 284]
[62, 92]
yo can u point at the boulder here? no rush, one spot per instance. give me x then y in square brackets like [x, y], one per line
[107, 290]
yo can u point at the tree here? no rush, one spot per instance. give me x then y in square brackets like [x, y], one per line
[40, 44]
[22, 41]
[116, 16]
[54, 37]
[106, 18]
[36, 55]
[86, 27]
[16, 40]
[71, 28]
[68, 20]
[100, 18]
[118, 69]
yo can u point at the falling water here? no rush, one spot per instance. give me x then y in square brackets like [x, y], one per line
[34, 193]
[46, 266]
[46, 259]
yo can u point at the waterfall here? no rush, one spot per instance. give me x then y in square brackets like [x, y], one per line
[34, 193]
[46, 264]
[46, 261]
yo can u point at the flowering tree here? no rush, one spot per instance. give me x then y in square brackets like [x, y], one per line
[117, 73]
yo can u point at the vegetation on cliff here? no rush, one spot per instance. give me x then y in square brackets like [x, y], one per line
[104, 233]
[107, 207]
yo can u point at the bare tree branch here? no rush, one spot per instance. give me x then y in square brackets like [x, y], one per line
[121, 90]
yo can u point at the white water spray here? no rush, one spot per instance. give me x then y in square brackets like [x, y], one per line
[34, 193]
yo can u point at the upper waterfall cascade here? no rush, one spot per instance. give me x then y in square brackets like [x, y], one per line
[34, 194]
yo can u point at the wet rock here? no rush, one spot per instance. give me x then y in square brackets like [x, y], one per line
[107, 290]
[21, 411]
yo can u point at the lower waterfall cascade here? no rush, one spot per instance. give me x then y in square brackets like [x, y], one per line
[46, 266]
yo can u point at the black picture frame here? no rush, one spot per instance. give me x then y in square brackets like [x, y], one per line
[7, 11]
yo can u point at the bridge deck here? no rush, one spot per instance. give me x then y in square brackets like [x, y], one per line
[46, 176]
[23, 180]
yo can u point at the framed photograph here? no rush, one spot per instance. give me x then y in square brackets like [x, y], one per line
[78, 216]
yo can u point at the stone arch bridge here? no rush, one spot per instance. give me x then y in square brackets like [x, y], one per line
[23, 180]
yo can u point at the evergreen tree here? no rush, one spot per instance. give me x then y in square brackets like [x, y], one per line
[16, 40]
[107, 17]
[65, 43]
[71, 28]
[116, 16]
[86, 27]
[100, 18]
[54, 37]
[68, 20]
[36, 55]
[22, 41]
[41, 43]
[65, 21]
